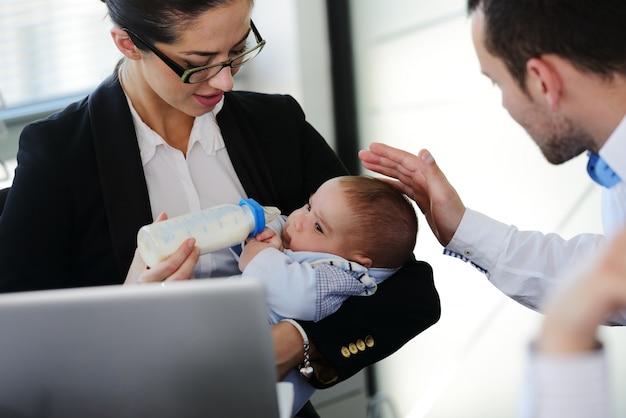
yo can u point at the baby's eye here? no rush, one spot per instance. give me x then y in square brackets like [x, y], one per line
[318, 228]
[308, 207]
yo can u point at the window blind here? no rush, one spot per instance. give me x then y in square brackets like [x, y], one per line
[52, 49]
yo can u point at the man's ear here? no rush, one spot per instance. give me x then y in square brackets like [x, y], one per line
[124, 44]
[544, 80]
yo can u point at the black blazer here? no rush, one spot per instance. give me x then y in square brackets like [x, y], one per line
[79, 197]
[4, 193]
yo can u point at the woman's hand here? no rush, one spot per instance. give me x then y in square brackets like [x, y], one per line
[289, 348]
[178, 266]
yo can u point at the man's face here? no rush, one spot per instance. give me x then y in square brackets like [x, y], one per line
[556, 135]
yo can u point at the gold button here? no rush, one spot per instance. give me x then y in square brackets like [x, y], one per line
[369, 341]
[360, 344]
[345, 352]
[353, 348]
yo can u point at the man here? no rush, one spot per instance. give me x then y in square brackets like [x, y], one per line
[561, 68]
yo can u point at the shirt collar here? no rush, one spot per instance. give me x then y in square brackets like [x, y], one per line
[207, 132]
[204, 131]
[600, 172]
[609, 167]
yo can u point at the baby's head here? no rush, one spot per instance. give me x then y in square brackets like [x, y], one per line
[359, 218]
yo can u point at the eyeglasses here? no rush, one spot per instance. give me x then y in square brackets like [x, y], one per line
[200, 74]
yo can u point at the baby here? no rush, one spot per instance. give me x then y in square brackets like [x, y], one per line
[352, 234]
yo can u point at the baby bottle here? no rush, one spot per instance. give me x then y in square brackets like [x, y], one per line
[213, 228]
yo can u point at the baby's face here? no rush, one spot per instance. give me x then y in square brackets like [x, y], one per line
[321, 225]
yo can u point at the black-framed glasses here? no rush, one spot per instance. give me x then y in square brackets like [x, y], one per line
[200, 74]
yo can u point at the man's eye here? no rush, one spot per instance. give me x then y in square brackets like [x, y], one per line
[308, 207]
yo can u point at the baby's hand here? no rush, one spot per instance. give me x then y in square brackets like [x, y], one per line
[269, 236]
[266, 239]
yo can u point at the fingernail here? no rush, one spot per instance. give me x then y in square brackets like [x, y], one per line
[426, 157]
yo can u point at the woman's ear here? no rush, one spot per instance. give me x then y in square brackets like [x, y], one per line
[544, 80]
[124, 44]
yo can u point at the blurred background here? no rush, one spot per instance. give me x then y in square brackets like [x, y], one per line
[402, 72]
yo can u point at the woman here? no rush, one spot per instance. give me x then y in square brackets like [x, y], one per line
[165, 134]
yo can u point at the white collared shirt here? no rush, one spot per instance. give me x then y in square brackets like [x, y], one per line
[179, 185]
[613, 152]
[573, 385]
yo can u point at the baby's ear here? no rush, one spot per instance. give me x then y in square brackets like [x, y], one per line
[362, 259]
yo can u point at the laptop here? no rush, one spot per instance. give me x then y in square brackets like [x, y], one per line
[200, 348]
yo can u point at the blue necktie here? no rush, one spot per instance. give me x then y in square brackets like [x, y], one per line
[600, 172]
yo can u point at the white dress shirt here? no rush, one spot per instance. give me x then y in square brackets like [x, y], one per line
[571, 386]
[614, 199]
[179, 184]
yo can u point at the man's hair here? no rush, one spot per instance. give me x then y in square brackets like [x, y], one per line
[589, 34]
[385, 220]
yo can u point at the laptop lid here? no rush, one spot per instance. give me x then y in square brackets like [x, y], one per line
[201, 348]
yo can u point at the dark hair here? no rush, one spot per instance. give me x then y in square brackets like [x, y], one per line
[590, 34]
[387, 223]
[158, 20]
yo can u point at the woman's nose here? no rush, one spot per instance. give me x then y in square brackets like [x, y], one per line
[223, 80]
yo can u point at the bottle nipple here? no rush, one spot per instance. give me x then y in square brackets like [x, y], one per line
[270, 213]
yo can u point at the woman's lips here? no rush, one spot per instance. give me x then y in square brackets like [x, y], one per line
[209, 101]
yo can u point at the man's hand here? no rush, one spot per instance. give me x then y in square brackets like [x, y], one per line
[420, 179]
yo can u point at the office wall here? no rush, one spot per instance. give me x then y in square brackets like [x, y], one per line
[419, 86]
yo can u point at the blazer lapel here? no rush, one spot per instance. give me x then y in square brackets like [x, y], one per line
[124, 188]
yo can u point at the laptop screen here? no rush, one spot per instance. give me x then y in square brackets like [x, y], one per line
[189, 349]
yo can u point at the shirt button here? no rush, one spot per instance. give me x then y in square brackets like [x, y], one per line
[468, 253]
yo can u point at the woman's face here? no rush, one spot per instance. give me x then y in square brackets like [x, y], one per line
[215, 36]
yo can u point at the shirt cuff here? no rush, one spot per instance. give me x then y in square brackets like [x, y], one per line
[478, 240]
[572, 385]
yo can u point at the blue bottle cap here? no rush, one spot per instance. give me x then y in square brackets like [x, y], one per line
[257, 212]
